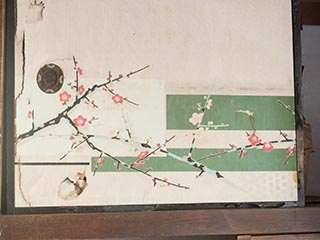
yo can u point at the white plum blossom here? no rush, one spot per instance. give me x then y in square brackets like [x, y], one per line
[200, 133]
[209, 104]
[196, 118]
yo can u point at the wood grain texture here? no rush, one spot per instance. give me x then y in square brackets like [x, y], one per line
[288, 237]
[161, 224]
[2, 27]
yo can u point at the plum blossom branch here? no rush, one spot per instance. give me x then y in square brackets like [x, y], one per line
[158, 147]
[130, 140]
[77, 75]
[92, 102]
[117, 160]
[267, 146]
[203, 110]
[189, 159]
[290, 154]
[75, 146]
[56, 120]
[86, 138]
[146, 154]
[193, 163]
[118, 98]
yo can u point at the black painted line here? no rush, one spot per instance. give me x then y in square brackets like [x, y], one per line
[51, 163]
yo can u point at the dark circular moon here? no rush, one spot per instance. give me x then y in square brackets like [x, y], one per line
[50, 78]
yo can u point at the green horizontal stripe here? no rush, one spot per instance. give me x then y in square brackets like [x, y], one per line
[268, 113]
[255, 160]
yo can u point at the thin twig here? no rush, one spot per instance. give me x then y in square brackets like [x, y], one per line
[153, 151]
[72, 149]
[288, 107]
[77, 75]
[240, 148]
[124, 99]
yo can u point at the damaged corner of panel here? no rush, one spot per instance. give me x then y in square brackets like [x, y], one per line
[35, 11]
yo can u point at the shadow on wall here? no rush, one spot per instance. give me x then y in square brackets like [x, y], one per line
[311, 100]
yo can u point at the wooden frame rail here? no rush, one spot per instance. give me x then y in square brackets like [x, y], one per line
[281, 237]
[161, 224]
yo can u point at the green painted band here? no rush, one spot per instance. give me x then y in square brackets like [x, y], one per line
[269, 114]
[254, 160]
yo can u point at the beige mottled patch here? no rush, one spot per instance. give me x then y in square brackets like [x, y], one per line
[295, 177]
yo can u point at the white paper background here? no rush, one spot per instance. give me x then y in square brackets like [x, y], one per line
[226, 47]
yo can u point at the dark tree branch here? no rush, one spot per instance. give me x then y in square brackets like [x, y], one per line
[241, 148]
[77, 101]
[117, 160]
[153, 151]
[124, 99]
[77, 75]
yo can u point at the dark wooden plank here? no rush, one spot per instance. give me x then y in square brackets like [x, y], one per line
[288, 237]
[312, 199]
[161, 224]
[2, 27]
[297, 57]
[310, 12]
[8, 151]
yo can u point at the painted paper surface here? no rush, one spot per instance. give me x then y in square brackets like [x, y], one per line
[160, 102]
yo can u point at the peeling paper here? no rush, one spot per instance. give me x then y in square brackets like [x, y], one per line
[72, 188]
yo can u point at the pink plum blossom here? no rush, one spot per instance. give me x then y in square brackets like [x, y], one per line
[81, 89]
[139, 163]
[80, 71]
[79, 121]
[267, 147]
[253, 139]
[143, 154]
[64, 97]
[117, 98]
